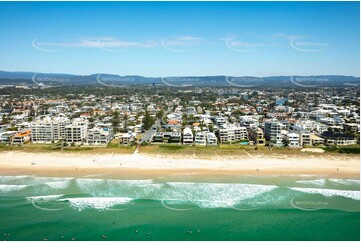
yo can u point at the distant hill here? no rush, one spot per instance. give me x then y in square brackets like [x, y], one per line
[181, 81]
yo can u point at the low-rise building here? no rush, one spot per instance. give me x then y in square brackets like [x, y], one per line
[21, 137]
[99, 136]
[211, 139]
[332, 138]
[200, 139]
[293, 139]
[128, 138]
[257, 136]
[5, 137]
[187, 136]
[175, 137]
[158, 137]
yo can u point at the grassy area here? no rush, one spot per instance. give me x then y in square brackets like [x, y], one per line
[178, 149]
[343, 149]
[112, 147]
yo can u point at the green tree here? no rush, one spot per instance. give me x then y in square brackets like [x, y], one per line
[115, 121]
[148, 120]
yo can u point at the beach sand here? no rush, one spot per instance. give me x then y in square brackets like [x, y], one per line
[112, 165]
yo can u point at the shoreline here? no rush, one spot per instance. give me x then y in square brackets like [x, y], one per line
[60, 164]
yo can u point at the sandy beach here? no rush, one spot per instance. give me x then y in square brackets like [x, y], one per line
[113, 165]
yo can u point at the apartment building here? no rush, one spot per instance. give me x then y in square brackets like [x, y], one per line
[293, 139]
[158, 137]
[187, 136]
[219, 121]
[304, 135]
[231, 132]
[99, 136]
[76, 132]
[272, 132]
[257, 136]
[211, 139]
[48, 130]
[175, 137]
[200, 139]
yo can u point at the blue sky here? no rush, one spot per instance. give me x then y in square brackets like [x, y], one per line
[181, 38]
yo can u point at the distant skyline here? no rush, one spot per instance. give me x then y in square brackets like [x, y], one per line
[181, 38]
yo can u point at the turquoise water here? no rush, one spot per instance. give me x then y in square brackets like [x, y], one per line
[186, 207]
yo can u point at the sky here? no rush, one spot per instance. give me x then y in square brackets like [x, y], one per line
[181, 38]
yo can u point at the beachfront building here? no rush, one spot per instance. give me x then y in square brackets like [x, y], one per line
[5, 137]
[187, 136]
[200, 139]
[304, 134]
[48, 130]
[128, 138]
[175, 137]
[76, 132]
[316, 140]
[257, 136]
[21, 137]
[211, 139]
[99, 136]
[272, 132]
[293, 139]
[332, 138]
[158, 137]
[231, 132]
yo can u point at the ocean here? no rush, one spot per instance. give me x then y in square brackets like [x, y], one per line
[180, 207]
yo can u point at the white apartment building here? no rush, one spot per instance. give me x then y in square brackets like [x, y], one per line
[48, 130]
[293, 138]
[219, 121]
[187, 136]
[200, 138]
[76, 132]
[99, 136]
[211, 139]
[231, 132]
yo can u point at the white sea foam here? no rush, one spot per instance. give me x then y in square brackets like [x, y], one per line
[355, 195]
[43, 198]
[318, 182]
[345, 181]
[9, 188]
[100, 203]
[210, 195]
[57, 184]
[11, 178]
